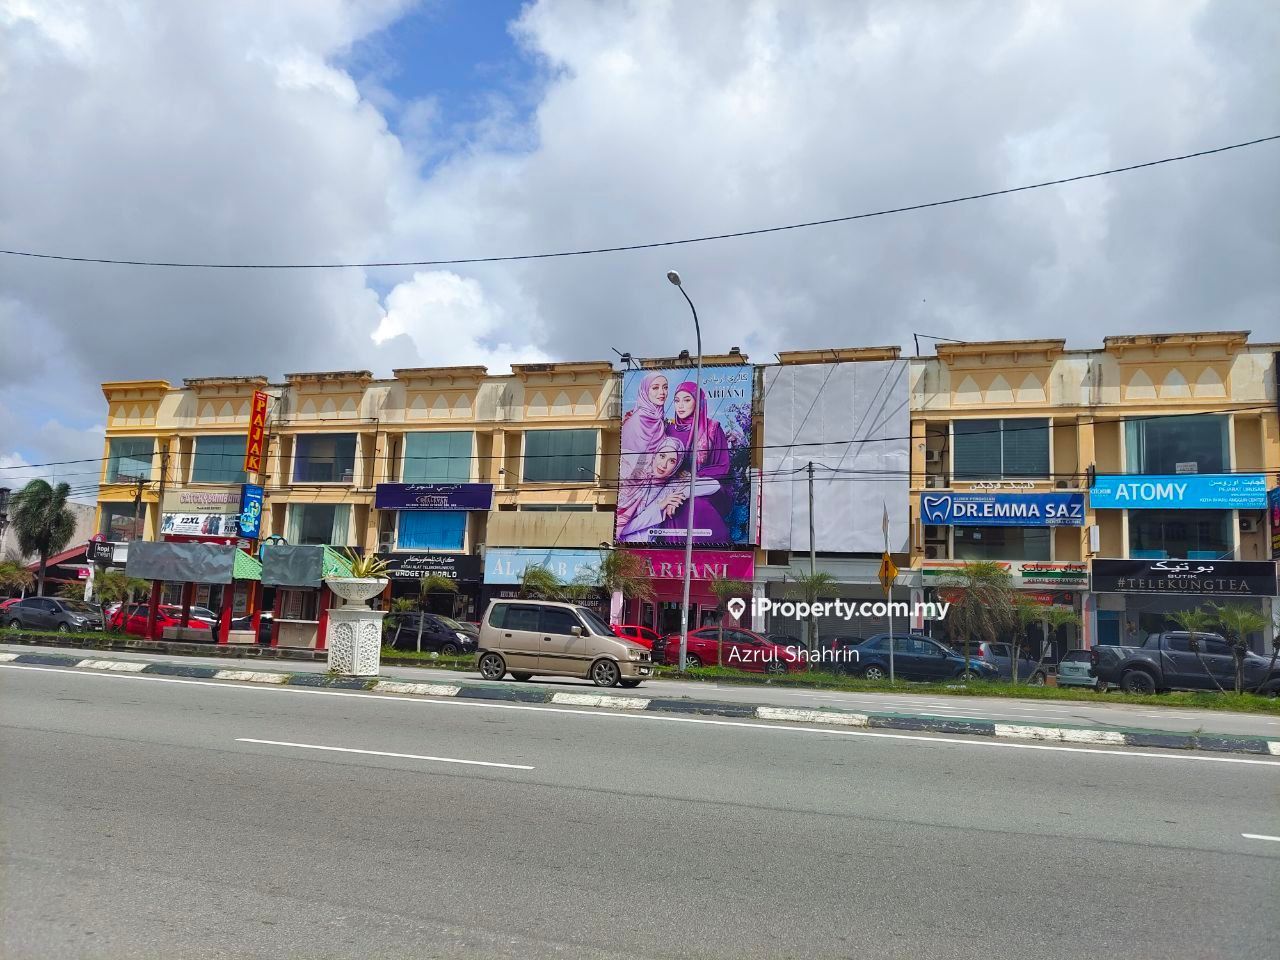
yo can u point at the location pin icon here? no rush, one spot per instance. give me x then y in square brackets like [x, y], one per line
[736, 606]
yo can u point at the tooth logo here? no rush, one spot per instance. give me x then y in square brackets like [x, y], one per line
[737, 606]
[935, 509]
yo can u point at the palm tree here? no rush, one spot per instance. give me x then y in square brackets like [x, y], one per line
[985, 603]
[725, 589]
[624, 572]
[14, 577]
[432, 583]
[810, 587]
[43, 523]
[539, 583]
[115, 586]
[1238, 620]
[1196, 622]
[1051, 619]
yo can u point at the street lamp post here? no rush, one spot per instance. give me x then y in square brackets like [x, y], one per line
[693, 477]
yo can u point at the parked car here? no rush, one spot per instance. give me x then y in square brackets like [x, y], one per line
[6, 604]
[637, 634]
[786, 640]
[1166, 661]
[531, 637]
[53, 613]
[917, 657]
[1000, 656]
[1074, 670]
[133, 619]
[743, 650]
[265, 622]
[440, 634]
[840, 653]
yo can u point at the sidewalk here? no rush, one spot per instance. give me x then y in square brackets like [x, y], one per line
[464, 688]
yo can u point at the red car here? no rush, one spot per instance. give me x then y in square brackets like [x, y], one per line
[743, 650]
[5, 604]
[637, 634]
[134, 619]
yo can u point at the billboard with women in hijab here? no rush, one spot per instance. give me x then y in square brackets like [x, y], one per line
[662, 411]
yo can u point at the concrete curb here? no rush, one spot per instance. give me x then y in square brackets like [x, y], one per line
[1027, 732]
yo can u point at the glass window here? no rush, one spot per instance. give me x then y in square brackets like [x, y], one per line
[319, 524]
[129, 458]
[324, 458]
[521, 618]
[1001, 543]
[555, 620]
[1214, 648]
[560, 507]
[218, 460]
[995, 449]
[560, 455]
[115, 522]
[597, 625]
[1194, 534]
[1160, 444]
[431, 529]
[437, 457]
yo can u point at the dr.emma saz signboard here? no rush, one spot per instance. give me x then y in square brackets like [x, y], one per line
[257, 434]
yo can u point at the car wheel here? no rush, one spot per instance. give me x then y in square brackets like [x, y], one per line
[15, 624]
[1138, 681]
[629, 684]
[64, 628]
[449, 650]
[775, 667]
[692, 661]
[968, 675]
[605, 673]
[1037, 679]
[521, 676]
[875, 673]
[492, 667]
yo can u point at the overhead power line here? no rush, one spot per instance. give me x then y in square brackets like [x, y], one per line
[460, 261]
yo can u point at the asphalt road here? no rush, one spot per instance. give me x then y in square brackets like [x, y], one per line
[1104, 717]
[146, 817]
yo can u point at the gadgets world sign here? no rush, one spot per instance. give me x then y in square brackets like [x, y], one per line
[1002, 510]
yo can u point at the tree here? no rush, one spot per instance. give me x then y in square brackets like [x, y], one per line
[1051, 619]
[115, 586]
[432, 583]
[1275, 649]
[539, 583]
[14, 577]
[984, 603]
[624, 572]
[1238, 620]
[810, 587]
[1196, 622]
[725, 589]
[43, 523]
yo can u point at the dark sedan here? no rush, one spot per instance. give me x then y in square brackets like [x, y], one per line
[916, 657]
[440, 634]
[53, 613]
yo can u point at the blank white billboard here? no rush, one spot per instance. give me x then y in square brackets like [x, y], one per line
[853, 422]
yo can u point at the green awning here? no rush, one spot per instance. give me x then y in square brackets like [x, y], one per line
[246, 567]
[335, 564]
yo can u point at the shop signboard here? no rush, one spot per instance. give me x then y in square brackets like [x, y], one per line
[433, 496]
[1186, 491]
[101, 551]
[707, 564]
[250, 519]
[504, 565]
[201, 524]
[661, 410]
[1273, 513]
[414, 566]
[1056, 575]
[1002, 509]
[256, 439]
[1229, 578]
[203, 500]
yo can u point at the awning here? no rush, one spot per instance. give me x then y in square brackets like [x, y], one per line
[190, 562]
[286, 565]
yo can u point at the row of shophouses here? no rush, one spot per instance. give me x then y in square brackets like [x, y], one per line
[1123, 482]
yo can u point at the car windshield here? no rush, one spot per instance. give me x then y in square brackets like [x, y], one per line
[449, 622]
[594, 623]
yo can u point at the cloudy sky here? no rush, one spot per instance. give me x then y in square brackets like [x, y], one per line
[319, 130]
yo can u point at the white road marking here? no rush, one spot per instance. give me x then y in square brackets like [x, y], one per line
[797, 715]
[251, 676]
[5, 657]
[1061, 734]
[418, 689]
[600, 700]
[1259, 836]
[656, 717]
[384, 753]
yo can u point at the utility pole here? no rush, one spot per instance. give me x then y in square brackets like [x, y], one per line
[137, 507]
[813, 559]
[164, 473]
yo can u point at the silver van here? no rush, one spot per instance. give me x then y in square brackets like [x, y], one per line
[530, 637]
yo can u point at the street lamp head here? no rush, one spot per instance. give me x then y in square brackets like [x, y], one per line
[673, 277]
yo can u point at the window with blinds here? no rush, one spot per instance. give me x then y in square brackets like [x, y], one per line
[560, 455]
[431, 529]
[1009, 449]
[438, 457]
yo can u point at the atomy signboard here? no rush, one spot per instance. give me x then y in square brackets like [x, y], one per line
[1189, 491]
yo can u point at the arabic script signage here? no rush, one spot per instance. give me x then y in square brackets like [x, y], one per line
[1186, 491]
[414, 566]
[1026, 574]
[1002, 509]
[1231, 578]
[433, 496]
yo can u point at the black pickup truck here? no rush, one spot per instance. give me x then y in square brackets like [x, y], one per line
[1166, 661]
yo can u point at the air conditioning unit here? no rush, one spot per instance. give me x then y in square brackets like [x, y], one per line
[932, 456]
[1062, 485]
[386, 542]
[1248, 525]
[935, 534]
[935, 482]
[934, 551]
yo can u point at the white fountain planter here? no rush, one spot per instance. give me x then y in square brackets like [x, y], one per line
[355, 631]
